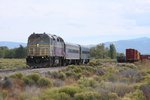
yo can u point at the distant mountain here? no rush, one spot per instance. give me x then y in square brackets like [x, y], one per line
[141, 44]
[12, 44]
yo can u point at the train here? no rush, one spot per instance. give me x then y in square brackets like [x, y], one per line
[143, 57]
[132, 55]
[47, 50]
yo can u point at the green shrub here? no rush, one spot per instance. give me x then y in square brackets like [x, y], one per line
[129, 65]
[77, 69]
[59, 75]
[109, 96]
[110, 87]
[87, 82]
[138, 95]
[28, 81]
[69, 73]
[58, 83]
[35, 77]
[86, 73]
[72, 74]
[61, 96]
[91, 69]
[35, 98]
[23, 96]
[7, 83]
[31, 79]
[147, 79]
[62, 76]
[148, 71]
[70, 90]
[113, 96]
[44, 82]
[112, 77]
[17, 75]
[3, 94]
[73, 71]
[93, 63]
[87, 96]
[48, 94]
[71, 66]
[54, 94]
[98, 79]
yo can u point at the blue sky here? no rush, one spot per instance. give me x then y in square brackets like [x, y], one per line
[77, 21]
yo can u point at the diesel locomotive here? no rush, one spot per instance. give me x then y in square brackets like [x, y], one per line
[47, 50]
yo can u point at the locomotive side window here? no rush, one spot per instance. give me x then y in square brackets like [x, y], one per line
[85, 52]
[73, 51]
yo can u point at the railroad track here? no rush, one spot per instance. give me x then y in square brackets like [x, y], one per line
[26, 71]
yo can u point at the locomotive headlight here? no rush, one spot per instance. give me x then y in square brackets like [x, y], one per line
[42, 57]
[37, 45]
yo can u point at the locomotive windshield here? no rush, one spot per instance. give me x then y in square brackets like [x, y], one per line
[38, 39]
[38, 45]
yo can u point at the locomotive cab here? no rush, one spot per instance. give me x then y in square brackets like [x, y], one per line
[44, 50]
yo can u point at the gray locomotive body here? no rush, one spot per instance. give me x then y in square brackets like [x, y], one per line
[46, 50]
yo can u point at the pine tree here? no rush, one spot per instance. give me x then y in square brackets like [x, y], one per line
[112, 51]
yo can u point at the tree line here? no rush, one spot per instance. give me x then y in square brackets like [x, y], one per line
[102, 52]
[19, 52]
[99, 51]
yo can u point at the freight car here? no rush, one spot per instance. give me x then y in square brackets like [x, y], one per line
[45, 50]
[132, 55]
[145, 57]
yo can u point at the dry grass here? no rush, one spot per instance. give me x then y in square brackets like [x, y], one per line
[12, 63]
[145, 64]
[104, 79]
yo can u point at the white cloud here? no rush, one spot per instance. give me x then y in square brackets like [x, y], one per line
[102, 20]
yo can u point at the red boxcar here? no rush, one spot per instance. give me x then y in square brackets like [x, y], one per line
[145, 57]
[132, 55]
